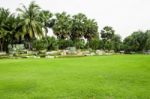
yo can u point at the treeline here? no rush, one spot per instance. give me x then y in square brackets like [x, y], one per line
[30, 25]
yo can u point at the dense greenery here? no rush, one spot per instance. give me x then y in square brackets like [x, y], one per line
[30, 25]
[104, 77]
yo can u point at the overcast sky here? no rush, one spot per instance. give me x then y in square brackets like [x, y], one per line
[125, 16]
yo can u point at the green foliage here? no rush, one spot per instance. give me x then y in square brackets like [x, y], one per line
[93, 44]
[147, 44]
[107, 33]
[46, 20]
[48, 43]
[32, 23]
[63, 25]
[79, 44]
[63, 44]
[135, 42]
[30, 20]
[116, 43]
[41, 44]
[78, 26]
[91, 29]
[52, 43]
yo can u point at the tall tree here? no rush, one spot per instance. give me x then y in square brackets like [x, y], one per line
[5, 30]
[63, 25]
[78, 27]
[147, 44]
[107, 33]
[135, 42]
[116, 43]
[91, 29]
[46, 20]
[30, 23]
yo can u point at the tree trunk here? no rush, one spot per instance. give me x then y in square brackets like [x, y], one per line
[1, 45]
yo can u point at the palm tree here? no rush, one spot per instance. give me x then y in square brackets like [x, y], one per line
[4, 17]
[63, 25]
[45, 18]
[91, 29]
[107, 33]
[78, 28]
[29, 21]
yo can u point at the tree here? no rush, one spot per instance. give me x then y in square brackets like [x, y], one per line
[116, 43]
[107, 33]
[79, 44]
[135, 42]
[63, 44]
[140, 37]
[46, 20]
[78, 27]
[94, 44]
[91, 29]
[4, 14]
[147, 44]
[52, 43]
[30, 23]
[63, 25]
[8, 28]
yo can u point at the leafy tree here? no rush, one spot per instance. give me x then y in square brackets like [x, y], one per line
[8, 29]
[107, 33]
[63, 44]
[41, 44]
[78, 27]
[130, 44]
[46, 20]
[135, 42]
[108, 45]
[79, 44]
[52, 43]
[147, 44]
[140, 38]
[29, 20]
[4, 15]
[63, 25]
[91, 29]
[94, 44]
[116, 43]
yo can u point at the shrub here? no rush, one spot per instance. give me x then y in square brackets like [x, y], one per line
[93, 44]
[41, 44]
[63, 44]
[79, 44]
[52, 43]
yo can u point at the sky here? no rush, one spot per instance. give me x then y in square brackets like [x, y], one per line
[125, 16]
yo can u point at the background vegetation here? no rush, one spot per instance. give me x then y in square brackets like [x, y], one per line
[30, 25]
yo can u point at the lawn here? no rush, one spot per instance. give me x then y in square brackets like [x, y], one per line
[95, 77]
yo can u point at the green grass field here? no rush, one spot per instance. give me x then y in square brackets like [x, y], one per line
[97, 77]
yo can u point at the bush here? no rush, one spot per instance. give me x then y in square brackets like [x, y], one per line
[41, 44]
[63, 44]
[52, 43]
[93, 44]
[79, 44]
[47, 43]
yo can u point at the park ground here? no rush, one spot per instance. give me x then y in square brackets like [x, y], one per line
[94, 77]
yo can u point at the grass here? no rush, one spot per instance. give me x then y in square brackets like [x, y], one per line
[97, 77]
